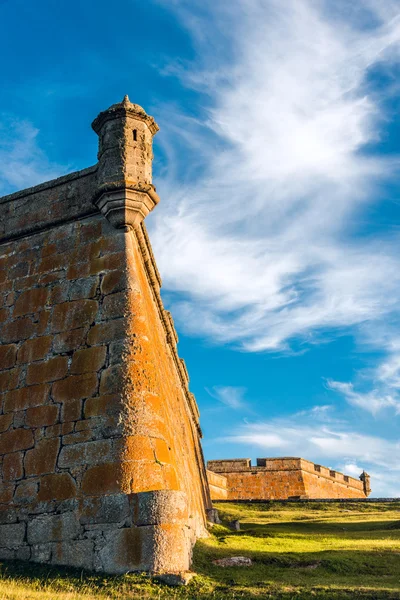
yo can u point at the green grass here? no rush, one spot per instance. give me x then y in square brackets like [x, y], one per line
[299, 551]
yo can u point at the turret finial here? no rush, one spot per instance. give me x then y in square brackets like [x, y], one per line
[126, 99]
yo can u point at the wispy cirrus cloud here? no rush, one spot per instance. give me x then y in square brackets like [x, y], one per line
[373, 401]
[259, 237]
[22, 162]
[231, 396]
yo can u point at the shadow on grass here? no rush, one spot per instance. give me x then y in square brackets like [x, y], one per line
[345, 529]
[213, 583]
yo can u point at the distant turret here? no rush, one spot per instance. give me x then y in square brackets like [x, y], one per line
[365, 478]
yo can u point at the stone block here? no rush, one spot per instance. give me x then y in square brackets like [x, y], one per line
[88, 360]
[89, 453]
[8, 354]
[160, 507]
[12, 536]
[30, 301]
[83, 288]
[23, 553]
[9, 380]
[14, 440]
[5, 421]
[13, 467]
[107, 478]
[106, 332]
[42, 458]
[41, 553]
[115, 305]
[57, 486]
[35, 349]
[26, 397]
[78, 554]
[53, 528]
[125, 550]
[112, 380]
[73, 315]
[109, 404]
[71, 410]
[69, 340]
[75, 387]
[49, 370]
[42, 416]
[114, 281]
[18, 330]
[26, 492]
[105, 509]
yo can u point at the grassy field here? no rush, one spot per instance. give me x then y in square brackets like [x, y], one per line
[314, 550]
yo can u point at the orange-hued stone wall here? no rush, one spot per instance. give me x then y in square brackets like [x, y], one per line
[283, 478]
[101, 465]
[218, 486]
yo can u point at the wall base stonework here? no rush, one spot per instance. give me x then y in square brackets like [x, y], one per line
[281, 479]
[148, 531]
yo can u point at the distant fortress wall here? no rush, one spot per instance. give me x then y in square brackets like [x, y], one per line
[218, 486]
[280, 479]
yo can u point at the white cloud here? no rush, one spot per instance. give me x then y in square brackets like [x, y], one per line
[229, 395]
[260, 204]
[22, 162]
[372, 401]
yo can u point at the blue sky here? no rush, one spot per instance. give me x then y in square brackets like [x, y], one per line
[277, 163]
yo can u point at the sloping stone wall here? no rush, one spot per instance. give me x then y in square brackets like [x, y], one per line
[100, 459]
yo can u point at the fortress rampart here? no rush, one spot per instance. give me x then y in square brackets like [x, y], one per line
[100, 459]
[280, 479]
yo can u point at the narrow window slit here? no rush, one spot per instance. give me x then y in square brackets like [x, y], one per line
[135, 135]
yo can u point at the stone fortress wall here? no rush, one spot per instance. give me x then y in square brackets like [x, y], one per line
[100, 459]
[280, 479]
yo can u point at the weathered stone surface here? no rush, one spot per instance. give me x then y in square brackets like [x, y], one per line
[161, 507]
[42, 459]
[13, 468]
[89, 453]
[75, 387]
[106, 509]
[8, 356]
[73, 315]
[58, 486]
[17, 439]
[26, 492]
[94, 403]
[42, 416]
[30, 301]
[12, 536]
[49, 370]
[35, 349]
[88, 360]
[78, 553]
[34, 395]
[52, 528]
[5, 422]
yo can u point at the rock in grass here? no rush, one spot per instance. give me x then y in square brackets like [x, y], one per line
[175, 578]
[234, 525]
[233, 561]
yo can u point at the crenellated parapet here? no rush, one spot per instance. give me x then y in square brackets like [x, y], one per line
[287, 477]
